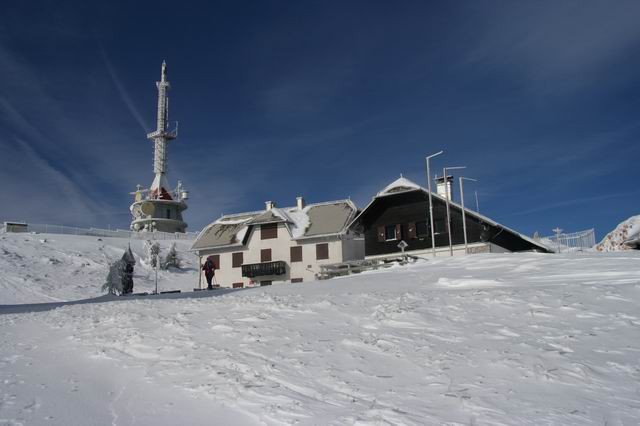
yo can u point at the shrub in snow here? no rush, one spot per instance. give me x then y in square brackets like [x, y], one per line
[172, 259]
[115, 278]
[152, 250]
[120, 277]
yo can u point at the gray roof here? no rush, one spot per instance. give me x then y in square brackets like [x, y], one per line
[219, 234]
[329, 218]
[267, 217]
[314, 221]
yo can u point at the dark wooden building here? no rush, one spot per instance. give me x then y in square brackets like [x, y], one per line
[400, 212]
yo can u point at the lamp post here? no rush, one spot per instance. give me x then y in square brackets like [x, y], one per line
[447, 190]
[433, 237]
[477, 204]
[464, 217]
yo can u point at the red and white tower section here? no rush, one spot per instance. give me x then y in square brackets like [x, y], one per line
[158, 208]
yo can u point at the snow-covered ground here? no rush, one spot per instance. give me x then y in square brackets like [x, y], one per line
[52, 268]
[483, 339]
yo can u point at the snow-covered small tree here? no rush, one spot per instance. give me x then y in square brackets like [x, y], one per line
[152, 249]
[172, 259]
[115, 278]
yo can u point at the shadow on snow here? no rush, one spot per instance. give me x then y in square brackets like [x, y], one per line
[41, 307]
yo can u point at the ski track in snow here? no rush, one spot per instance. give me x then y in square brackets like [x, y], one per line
[486, 339]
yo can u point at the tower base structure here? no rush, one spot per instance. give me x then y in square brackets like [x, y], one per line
[158, 215]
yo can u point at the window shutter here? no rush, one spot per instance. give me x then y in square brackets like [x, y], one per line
[296, 254]
[398, 232]
[411, 230]
[322, 251]
[237, 259]
[268, 231]
[381, 234]
[265, 255]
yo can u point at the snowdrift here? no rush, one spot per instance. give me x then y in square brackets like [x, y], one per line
[625, 231]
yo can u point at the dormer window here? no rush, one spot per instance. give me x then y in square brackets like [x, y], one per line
[268, 231]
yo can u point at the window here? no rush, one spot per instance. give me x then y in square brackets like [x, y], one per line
[421, 229]
[296, 280]
[322, 251]
[237, 285]
[390, 232]
[168, 213]
[296, 254]
[268, 231]
[440, 226]
[237, 259]
[265, 255]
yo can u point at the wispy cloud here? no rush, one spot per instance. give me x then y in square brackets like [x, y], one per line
[124, 94]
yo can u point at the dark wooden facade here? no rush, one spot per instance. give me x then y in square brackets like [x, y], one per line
[405, 216]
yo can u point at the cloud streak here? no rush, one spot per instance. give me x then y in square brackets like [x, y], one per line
[124, 94]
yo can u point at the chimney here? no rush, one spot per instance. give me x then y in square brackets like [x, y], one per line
[445, 187]
[270, 204]
[300, 203]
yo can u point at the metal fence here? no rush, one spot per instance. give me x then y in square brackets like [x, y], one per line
[40, 228]
[575, 241]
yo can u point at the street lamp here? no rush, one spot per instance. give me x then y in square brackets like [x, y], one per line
[464, 217]
[446, 191]
[433, 237]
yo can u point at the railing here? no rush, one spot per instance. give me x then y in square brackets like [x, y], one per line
[575, 241]
[41, 228]
[333, 270]
[252, 270]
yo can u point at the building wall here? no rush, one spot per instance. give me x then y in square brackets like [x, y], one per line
[352, 247]
[306, 270]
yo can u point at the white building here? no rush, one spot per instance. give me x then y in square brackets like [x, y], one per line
[279, 244]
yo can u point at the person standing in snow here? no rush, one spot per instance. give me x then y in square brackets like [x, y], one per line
[127, 287]
[209, 269]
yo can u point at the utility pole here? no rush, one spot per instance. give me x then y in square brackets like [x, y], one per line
[464, 217]
[157, 261]
[447, 188]
[433, 237]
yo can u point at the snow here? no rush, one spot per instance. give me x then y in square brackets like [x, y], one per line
[625, 231]
[299, 222]
[48, 268]
[401, 182]
[484, 339]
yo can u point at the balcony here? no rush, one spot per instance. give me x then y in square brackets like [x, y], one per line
[263, 269]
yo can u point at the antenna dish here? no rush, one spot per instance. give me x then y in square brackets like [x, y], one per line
[147, 208]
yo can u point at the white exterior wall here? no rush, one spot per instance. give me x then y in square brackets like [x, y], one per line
[227, 275]
[352, 247]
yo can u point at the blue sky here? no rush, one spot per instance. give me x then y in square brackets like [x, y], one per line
[540, 100]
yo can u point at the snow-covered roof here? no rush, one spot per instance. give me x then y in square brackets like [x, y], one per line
[399, 185]
[405, 185]
[313, 221]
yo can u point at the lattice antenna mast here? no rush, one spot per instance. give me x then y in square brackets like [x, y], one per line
[161, 136]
